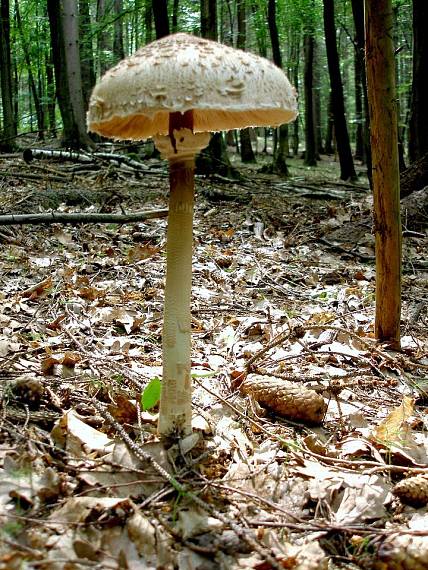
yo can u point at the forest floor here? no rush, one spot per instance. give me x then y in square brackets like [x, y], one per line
[283, 292]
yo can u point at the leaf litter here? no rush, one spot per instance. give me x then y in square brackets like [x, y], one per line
[310, 445]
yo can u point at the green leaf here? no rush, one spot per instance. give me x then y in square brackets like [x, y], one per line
[151, 395]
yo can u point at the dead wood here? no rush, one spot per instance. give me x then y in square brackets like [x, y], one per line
[415, 177]
[30, 154]
[32, 176]
[80, 218]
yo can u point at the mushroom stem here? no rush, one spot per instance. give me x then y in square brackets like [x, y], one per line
[180, 147]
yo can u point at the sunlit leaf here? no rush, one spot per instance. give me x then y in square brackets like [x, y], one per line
[151, 395]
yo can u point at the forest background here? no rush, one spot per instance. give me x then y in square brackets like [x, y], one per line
[52, 53]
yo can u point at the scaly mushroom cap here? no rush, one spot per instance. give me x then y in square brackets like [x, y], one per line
[226, 89]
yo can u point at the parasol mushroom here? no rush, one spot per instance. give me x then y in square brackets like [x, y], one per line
[177, 90]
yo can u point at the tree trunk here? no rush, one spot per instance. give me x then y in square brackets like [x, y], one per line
[418, 129]
[160, 13]
[148, 21]
[87, 55]
[329, 146]
[415, 177]
[358, 16]
[50, 92]
[247, 154]
[209, 19]
[64, 23]
[347, 170]
[103, 40]
[310, 141]
[279, 165]
[31, 80]
[7, 142]
[213, 159]
[175, 7]
[359, 137]
[386, 182]
[316, 90]
[118, 49]
[295, 52]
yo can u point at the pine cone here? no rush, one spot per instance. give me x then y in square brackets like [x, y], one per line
[413, 491]
[402, 552]
[286, 398]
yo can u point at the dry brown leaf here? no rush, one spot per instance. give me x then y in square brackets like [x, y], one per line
[390, 430]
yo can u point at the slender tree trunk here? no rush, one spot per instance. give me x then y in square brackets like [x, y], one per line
[50, 92]
[9, 119]
[329, 145]
[386, 178]
[175, 8]
[86, 51]
[359, 137]
[148, 21]
[64, 23]
[317, 68]
[415, 177]
[247, 154]
[209, 19]
[295, 51]
[310, 150]
[160, 13]
[279, 165]
[103, 40]
[214, 158]
[118, 49]
[31, 80]
[418, 132]
[358, 16]
[347, 170]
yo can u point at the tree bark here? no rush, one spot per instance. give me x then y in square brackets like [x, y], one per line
[87, 55]
[359, 136]
[160, 13]
[347, 170]
[385, 168]
[209, 19]
[7, 142]
[214, 158]
[415, 177]
[330, 144]
[31, 81]
[247, 154]
[63, 19]
[316, 89]
[50, 92]
[103, 40]
[358, 16]
[310, 141]
[279, 165]
[118, 49]
[174, 22]
[418, 128]
[148, 21]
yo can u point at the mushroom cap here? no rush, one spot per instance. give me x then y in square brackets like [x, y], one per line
[225, 88]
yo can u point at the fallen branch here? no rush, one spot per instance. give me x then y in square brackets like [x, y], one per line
[30, 154]
[80, 218]
[30, 176]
